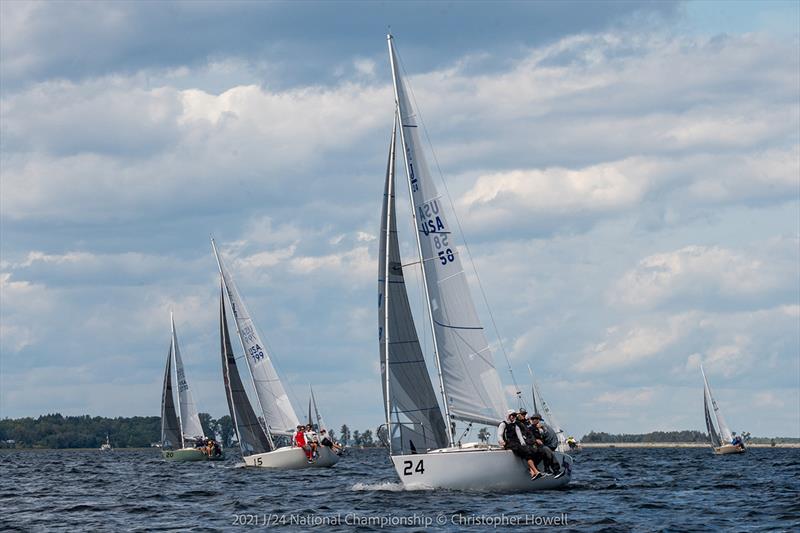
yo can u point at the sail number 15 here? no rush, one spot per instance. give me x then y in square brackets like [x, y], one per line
[409, 465]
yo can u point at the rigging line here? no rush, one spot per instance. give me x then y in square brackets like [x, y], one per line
[460, 230]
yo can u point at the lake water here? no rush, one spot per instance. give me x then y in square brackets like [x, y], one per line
[613, 489]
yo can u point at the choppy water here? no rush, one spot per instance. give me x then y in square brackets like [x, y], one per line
[613, 489]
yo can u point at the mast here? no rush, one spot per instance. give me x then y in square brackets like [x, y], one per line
[244, 350]
[390, 193]
[449, 425]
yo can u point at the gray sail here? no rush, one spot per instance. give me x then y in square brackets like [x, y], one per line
[473, 387]
[416, 419]
[712, 432]
[170, 427]
[252, 437]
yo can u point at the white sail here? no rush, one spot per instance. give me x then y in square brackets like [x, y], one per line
[413, 416]
[278, 412]
[724, 431]
[472, 385]
[190, 420]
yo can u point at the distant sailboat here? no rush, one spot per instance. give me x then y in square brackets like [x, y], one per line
[256, 440]
[540, 406]
[422, 445]
[178, 435]
[722, 440]
[106, 446]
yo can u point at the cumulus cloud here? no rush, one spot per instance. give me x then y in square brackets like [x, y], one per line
[706, 275]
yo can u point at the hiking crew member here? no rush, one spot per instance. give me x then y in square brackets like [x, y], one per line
[544, 452]
[300, 442]
[510, 437]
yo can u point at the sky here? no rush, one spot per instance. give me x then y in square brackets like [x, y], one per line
[627, 176]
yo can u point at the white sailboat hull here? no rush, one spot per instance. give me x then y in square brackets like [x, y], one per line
[727, 449]
[289, 458]
[477, 468]
[188, 454]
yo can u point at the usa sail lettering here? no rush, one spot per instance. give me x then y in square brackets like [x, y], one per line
[429, 215]
[248, 335]
[182, 385]
[411, 176]
[256, 352]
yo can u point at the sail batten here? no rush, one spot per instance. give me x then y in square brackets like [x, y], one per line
[471, 383]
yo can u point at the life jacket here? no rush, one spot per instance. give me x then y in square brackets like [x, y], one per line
[510, 432]
[300, 438]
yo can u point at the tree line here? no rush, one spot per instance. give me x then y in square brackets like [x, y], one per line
[58, 431]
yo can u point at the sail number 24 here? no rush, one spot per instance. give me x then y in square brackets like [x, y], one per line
[409, 465]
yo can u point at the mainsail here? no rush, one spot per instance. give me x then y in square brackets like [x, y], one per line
[190, 420]
[170, 427]
[278, 411]
[413, 414]
[472, 386]
[252, 438]
[725, 434]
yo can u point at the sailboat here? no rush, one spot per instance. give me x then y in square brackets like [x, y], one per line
[722, 440]
[257, 435]
[540, 406]
[106, 446]
[422, 444]
[178, 435]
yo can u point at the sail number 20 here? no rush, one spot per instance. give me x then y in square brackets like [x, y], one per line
[407, 471]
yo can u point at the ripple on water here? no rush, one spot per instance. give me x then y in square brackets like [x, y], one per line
[612, 489]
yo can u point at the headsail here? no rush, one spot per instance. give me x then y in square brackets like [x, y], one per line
[190, 420]
[416, 419]
[252, 438]
[170, 427]
[278, 411]
[471, 382]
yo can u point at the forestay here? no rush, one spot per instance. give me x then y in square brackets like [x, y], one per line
[252, 438]
[471, 382]
[170, 427]
[416, 418]
[190, 420]
[278, 411]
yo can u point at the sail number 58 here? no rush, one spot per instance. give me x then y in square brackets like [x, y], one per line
[409, 465]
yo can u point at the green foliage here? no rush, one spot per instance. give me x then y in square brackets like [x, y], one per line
[57, 431]
[655, 436]
[345, 431]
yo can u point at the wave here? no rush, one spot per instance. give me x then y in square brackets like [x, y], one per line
[386, 486]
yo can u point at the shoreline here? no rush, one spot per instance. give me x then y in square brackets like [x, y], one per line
[677, 445]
